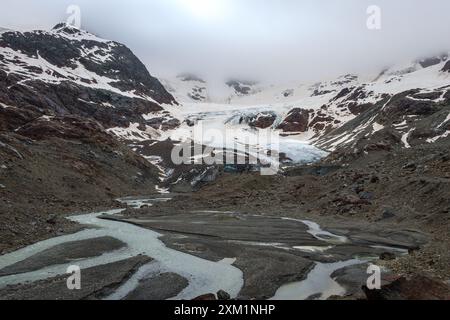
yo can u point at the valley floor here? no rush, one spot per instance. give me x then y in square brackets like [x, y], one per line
[247, 256]
[384, 192]
[326, 222]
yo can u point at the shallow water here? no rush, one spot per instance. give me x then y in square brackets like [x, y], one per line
[318, 283]
[204, 276]
[316, 231]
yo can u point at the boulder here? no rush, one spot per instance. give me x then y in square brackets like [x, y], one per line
[223, 295]
[388, 213]
[205, 297]
[416, 288]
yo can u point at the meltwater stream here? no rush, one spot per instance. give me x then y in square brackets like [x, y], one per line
[318, 283]
[203, 276]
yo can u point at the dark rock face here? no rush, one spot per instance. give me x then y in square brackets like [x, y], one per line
[428, 95]
[342, 93]
[263, 120]
[198, 93]
[223, 295]
[68, 127]
[357, 109]
[65, 46]
[402, 105]
[429, 62]
[446, 67]
[70, 72]
[322, 121]
[288, 93]
[59, 254]
[241, 87]
[407, 119]
[387, 256]
[296, 121]
[317, 93]
[205, 297]
[65, 165]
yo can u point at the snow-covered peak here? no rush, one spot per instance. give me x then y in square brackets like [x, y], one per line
[64, 27]
[73, 33]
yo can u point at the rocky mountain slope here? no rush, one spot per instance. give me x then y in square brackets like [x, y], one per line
[67, 71]
[63, 95]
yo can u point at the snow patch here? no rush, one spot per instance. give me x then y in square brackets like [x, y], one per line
[405, 138]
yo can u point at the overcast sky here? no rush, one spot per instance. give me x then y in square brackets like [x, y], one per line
[267, 39]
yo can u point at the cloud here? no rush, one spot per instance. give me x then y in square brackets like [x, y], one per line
[271, 39]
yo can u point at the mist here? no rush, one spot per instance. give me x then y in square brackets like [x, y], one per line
[267, 40]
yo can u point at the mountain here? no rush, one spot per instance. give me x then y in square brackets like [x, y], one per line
[409, 99]
[67, 71]
[83, 123]
[70, 86]
[189, 88]
[67, 97]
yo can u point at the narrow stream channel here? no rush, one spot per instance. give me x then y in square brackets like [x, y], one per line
[204, 276]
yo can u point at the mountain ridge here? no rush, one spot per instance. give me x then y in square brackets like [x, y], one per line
[315, 112]
[70, 71]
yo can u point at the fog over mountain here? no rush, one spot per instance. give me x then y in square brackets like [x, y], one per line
[276, 40]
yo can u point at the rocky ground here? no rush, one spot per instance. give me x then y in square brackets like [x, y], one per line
[81, 168]
[384, 188]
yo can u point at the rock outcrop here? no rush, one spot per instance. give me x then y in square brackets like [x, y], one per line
[296, 121]
[263, 120]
